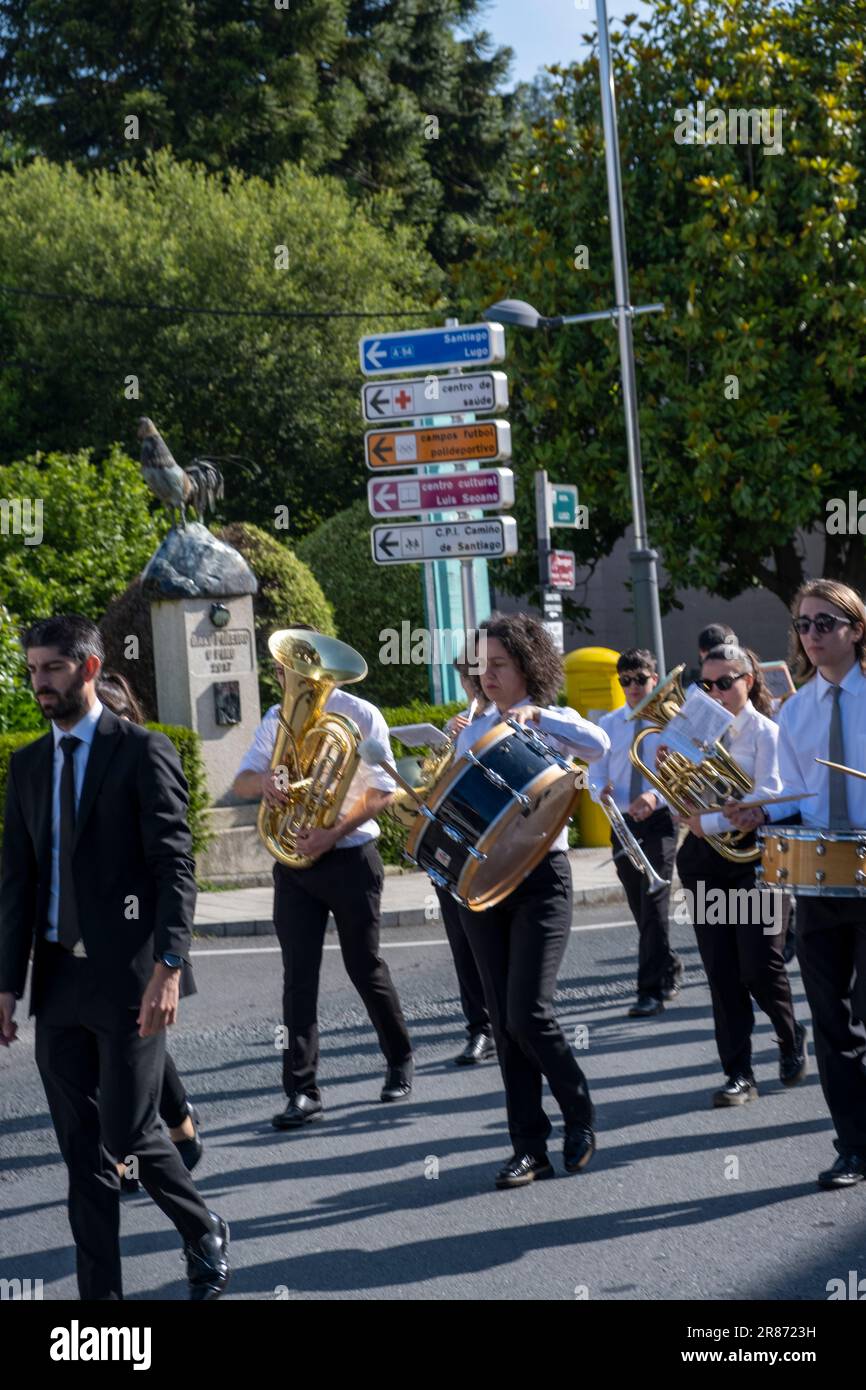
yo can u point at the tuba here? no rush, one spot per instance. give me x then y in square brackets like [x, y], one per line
[689, 787]
[316, 752]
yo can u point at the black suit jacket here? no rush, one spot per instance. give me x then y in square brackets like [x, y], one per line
[132, 860]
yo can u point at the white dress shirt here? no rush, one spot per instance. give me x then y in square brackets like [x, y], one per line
[753, 742]
[563, 728]
[804, 735]
[371, 724]
[616, 766]
[84, 730]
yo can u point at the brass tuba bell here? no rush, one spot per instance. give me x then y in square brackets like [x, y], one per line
[689, 787]
[315, 754]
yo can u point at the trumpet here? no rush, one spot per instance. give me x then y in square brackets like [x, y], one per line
[632, 845]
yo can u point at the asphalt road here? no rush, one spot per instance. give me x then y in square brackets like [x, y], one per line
[397, 1202]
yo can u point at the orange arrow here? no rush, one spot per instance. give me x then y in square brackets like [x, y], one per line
[440, 444]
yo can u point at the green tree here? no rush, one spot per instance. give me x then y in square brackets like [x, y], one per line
[18, 709]
[92, 526]
[750, 384]
[281, 391]
[346, 86]
[367, 599]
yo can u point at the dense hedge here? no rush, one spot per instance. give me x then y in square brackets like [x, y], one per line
[188, 745]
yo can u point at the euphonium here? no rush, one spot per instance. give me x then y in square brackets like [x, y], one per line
[315, 754]
[686, 786]
[423, 778]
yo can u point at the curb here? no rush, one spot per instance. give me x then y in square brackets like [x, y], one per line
[390, 917]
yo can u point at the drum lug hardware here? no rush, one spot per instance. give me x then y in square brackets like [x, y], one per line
[781, 875]
[861, 849]
[782, 846]
[478, 855]
[820, 876]
[439, 879]
[410, 857]
[820, 847]
[452, 833]
[759, 873]
[464, 902]
[859, 876]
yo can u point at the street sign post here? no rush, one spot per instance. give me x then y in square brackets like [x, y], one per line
[485, 393]
[444, 540]
[562, 569]
[406, 448]
[441, 492]
[433, 349]
[563, 507]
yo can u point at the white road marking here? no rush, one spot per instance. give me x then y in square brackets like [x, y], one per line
[385, 945]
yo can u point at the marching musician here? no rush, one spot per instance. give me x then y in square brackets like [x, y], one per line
[519, 943]
[826, 718]
[648, 816]
[480, 1045]
[742, 960]
[346, 879]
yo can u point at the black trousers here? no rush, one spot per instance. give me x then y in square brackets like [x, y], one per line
[743, 962]
[172, 1100]
[831, 948]
[518, 946]
[468, 978]
[347, 882]
[657, 963]
[103, 1083]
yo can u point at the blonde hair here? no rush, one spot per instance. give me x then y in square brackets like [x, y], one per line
[847, 600]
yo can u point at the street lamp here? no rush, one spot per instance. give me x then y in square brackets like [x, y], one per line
[645, 587]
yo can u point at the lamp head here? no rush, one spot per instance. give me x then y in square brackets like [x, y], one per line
[515, 311]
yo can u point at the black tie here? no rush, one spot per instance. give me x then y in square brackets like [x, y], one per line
[67, 921]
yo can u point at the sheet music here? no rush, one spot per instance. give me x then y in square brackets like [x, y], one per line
[420, 735]
[694, 730]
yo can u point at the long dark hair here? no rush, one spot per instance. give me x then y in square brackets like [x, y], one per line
[530, 646]
[114, 691]
[746, 660]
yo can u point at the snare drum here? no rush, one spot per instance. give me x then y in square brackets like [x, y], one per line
[493, 815]
[813, 863]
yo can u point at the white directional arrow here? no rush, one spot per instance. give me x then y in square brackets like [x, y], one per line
[385, 495]
[376, 354]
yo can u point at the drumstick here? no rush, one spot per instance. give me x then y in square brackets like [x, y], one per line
[767, 801]
[472, 708]
[374, 753]
[840, 767]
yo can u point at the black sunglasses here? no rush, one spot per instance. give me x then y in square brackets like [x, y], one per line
[723, 682]
[626, 681]
[824, 622]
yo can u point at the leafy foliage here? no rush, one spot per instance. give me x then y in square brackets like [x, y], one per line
[750, 384]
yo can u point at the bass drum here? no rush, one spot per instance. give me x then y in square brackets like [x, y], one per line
[813, 863]
[493, 815]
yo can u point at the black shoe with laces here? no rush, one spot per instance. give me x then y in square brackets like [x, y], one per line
[207, 1265]
[794, 1065]
[736, 1091]
[521, 1169]
[849, 1169]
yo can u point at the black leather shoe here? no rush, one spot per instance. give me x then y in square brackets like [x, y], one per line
[522, 1169]
[579, 1147]
[646, 1006]
[398, 1082]
[479, 1047]
[299, 1111]
[674, 982]
[793, 1066]
[207, 1264]
[849, 1168]
[192, 1149]
[737, 1091]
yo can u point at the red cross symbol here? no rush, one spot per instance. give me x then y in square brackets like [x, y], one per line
[403, 400]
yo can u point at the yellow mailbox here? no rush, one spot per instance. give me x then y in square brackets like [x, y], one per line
[592, 689]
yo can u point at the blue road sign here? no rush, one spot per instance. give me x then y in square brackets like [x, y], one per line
[433, 349]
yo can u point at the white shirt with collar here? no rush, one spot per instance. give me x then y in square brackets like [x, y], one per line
[371, 723]
[804, 735]
[753, 742]
[616, 766]
[567, 732]
[84, 730]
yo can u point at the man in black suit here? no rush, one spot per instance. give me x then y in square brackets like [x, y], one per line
[98, 879]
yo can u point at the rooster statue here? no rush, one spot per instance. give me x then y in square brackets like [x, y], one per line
[198, 486]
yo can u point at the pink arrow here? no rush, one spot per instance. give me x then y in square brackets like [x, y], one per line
[385, 495]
